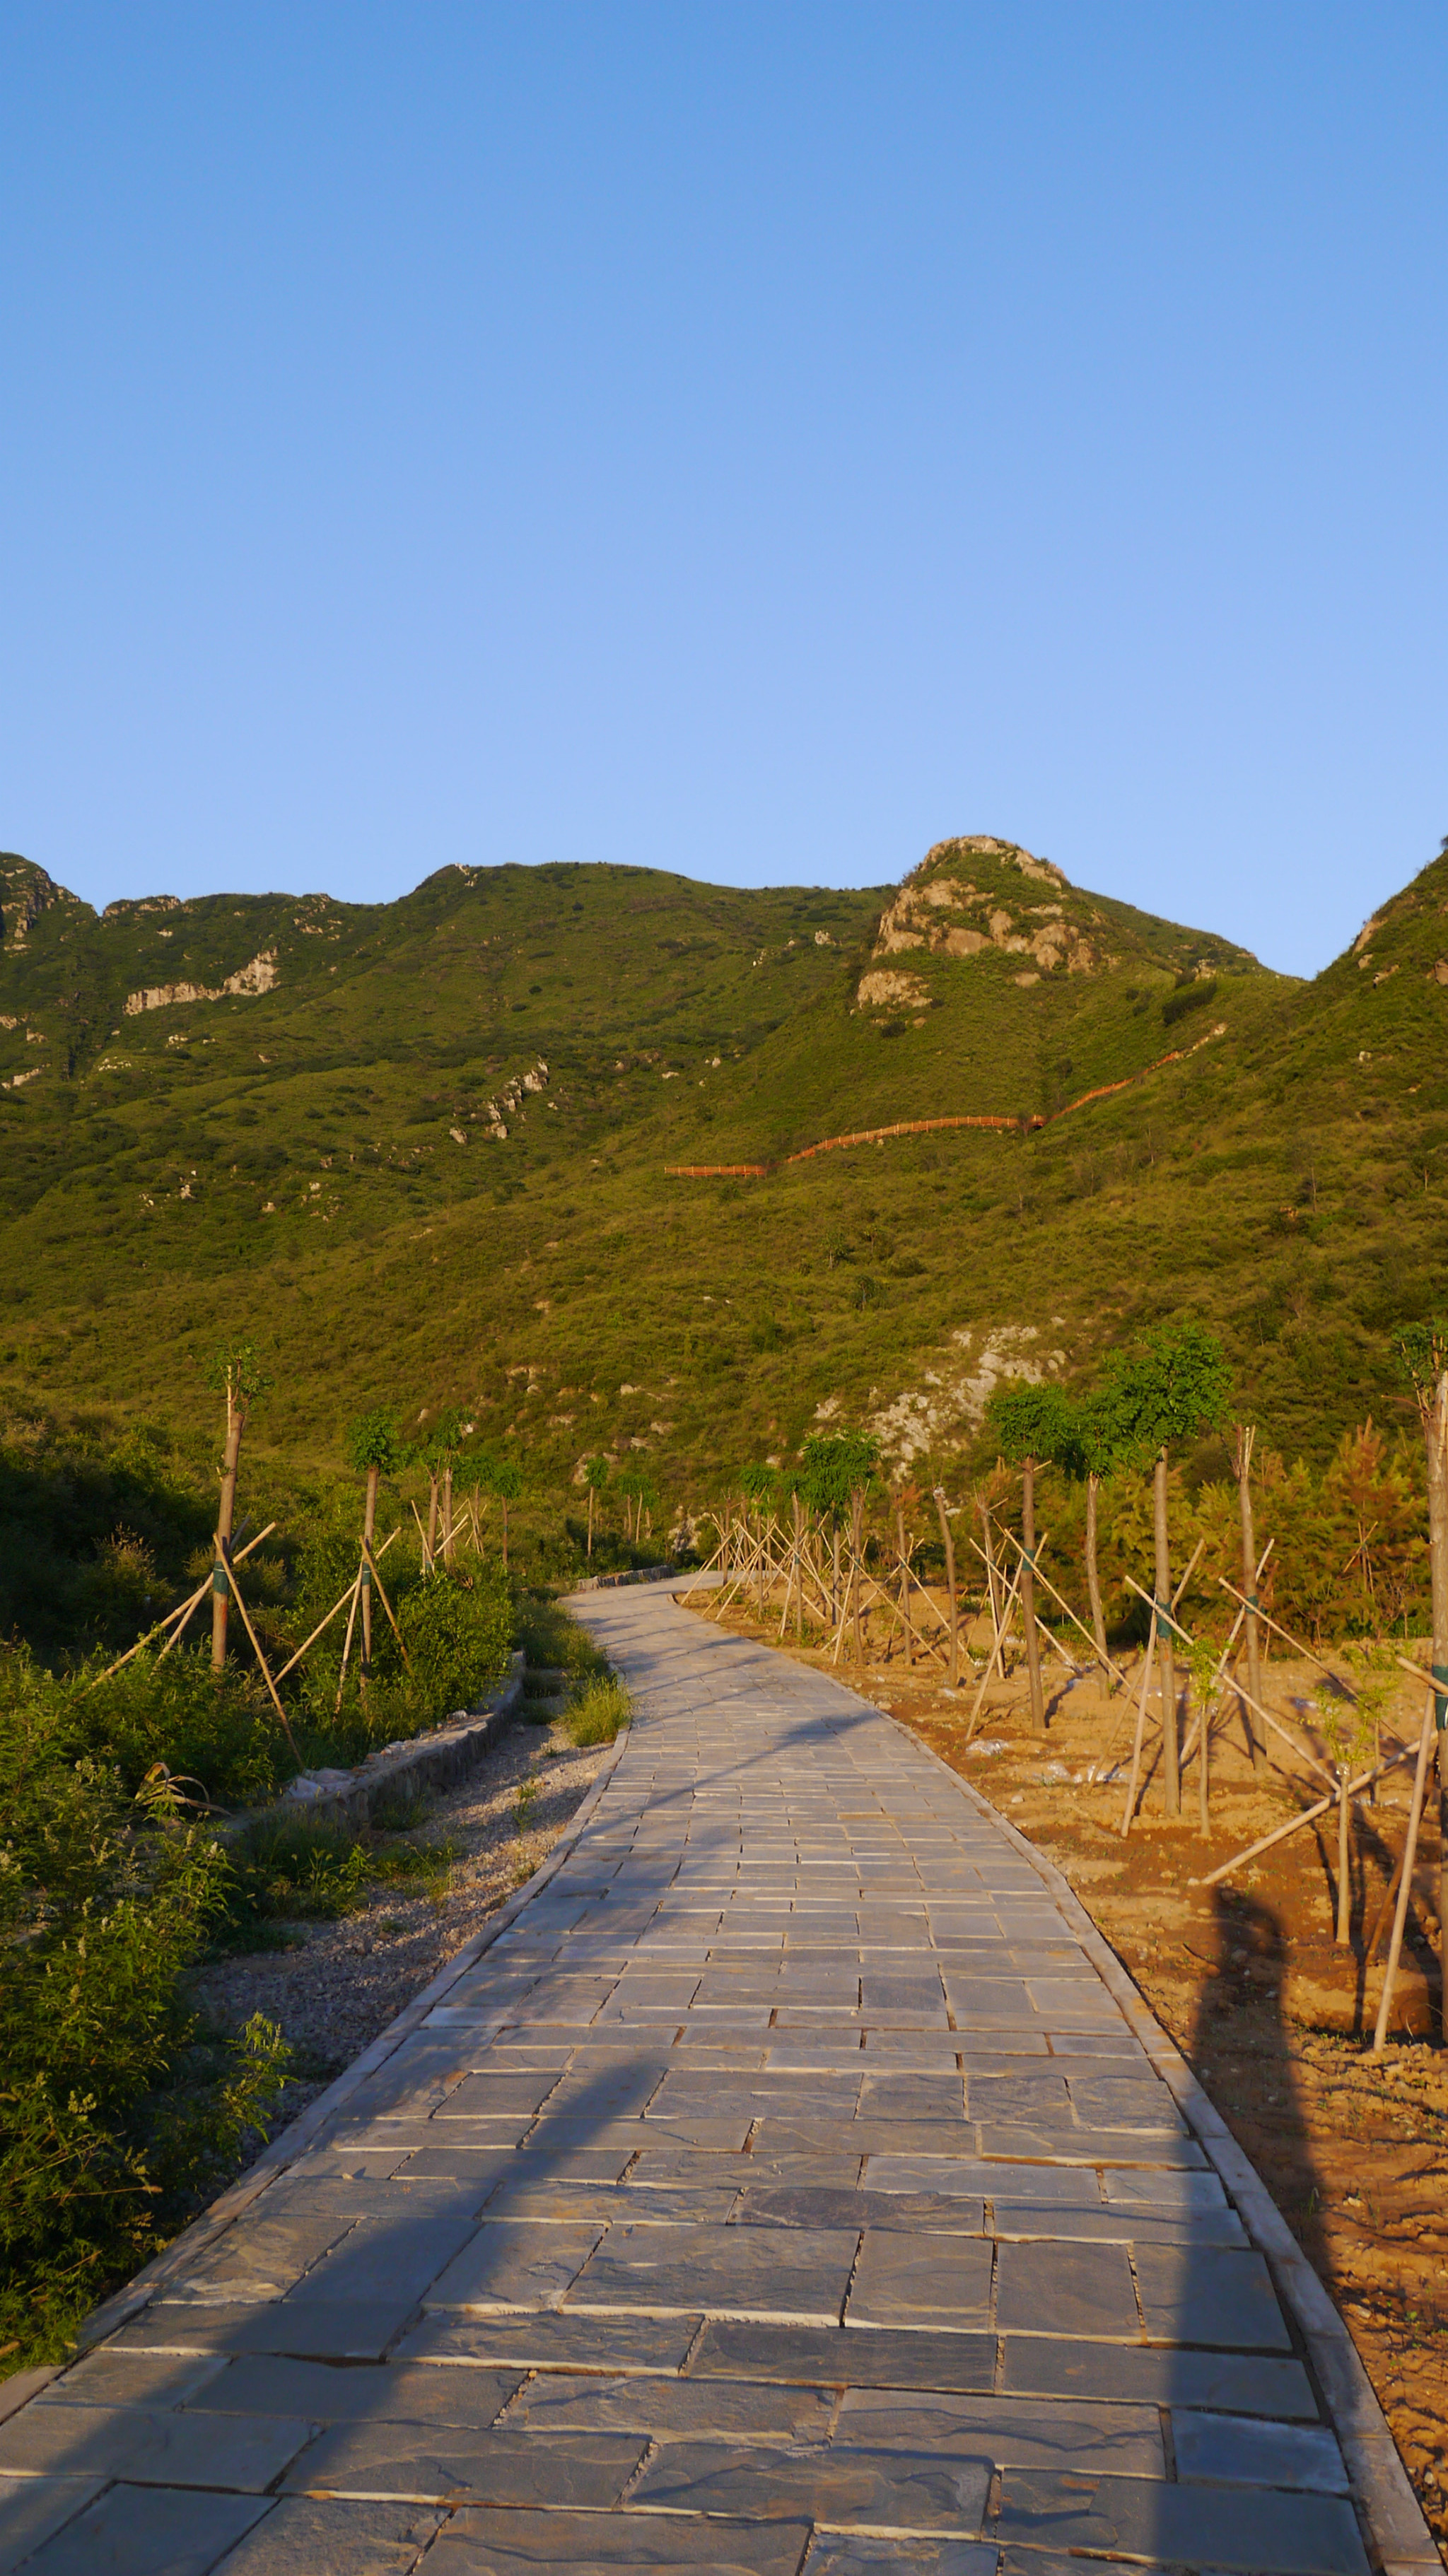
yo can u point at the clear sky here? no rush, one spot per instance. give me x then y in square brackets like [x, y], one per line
[756, 440]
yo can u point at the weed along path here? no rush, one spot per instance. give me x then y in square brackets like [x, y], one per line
[793, 2183]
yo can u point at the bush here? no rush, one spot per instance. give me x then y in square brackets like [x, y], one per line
[458, 1632]
[598, 1713]
[115, 2118]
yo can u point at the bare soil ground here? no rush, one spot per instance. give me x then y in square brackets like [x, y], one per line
[343, 1982]
[1274, 2018]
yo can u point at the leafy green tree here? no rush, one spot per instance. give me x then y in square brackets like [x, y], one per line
[503, 1477]
[438, 1451]
[836, 1466]
[1169, 1389]
[1095, 1450]
[1034, 1425]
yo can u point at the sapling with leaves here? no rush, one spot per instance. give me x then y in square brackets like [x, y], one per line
[1423, 1351]
[1093, 1451]
[438, 1452]
[236, 1372]
[503, 1477]
[373, 1445]
[839, 1469]
[759, 1485]
[1034, 1426]
[1169, 1389]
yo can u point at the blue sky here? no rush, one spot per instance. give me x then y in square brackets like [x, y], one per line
[756, 441]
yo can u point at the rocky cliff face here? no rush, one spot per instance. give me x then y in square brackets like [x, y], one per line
[977, 894]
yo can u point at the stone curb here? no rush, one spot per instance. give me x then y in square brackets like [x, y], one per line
[636, 1574]
[1398, 2537]
[302, 2133]
[437, 1760]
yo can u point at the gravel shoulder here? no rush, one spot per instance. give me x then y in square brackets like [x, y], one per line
[345, 1981]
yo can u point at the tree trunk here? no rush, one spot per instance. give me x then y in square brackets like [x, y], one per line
[1245, 1438]
[990, 1578]
[504, 1500]
[1093, 1570]
[225, 1513]
[431, 1518]
[590, 1521]
[1028, 1595]
[1164, 1646]
[948, 1536]
[1436, 1435]
[447, 1515]
[857, 1549]
[904, 1585]
[369, 1524]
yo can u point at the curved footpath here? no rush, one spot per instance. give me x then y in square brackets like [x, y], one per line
[791, 2180]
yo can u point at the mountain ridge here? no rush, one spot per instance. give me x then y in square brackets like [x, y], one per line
[453, 1117]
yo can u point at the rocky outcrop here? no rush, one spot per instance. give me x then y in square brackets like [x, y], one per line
[943, 909]
[259, 975]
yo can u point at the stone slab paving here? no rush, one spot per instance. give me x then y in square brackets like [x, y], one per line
[785, 2189]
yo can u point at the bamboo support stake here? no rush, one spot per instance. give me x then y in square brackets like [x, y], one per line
[1140, 1734]
[1246, 1441]
[1304, 1816]
[386, 1604]
[1049, 1586]
[261, 1659]
[1010, 1601]
[1384, 1910]
[1343, 1929]
[184, 1611]
[1405, 1883]
[1264, 1713]
[1288, 1639]
[347, 1642]
[1225, 1657]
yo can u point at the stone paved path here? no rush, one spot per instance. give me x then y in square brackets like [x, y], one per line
[784, 2190]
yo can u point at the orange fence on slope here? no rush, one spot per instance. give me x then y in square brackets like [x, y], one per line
[927, 1126]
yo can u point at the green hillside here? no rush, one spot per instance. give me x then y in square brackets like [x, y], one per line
[419, 1150]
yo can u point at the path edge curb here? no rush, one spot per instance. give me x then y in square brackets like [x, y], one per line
[1397, 2532]
[301, 2134]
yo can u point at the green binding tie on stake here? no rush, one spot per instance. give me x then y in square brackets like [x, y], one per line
[366, 1576]
[1440, 1696]
[219, 1582]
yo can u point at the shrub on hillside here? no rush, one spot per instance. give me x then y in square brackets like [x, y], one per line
[114, 2117]
[458, 1631]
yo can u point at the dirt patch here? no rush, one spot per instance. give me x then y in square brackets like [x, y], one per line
[344, 1982]
[1273, 2017]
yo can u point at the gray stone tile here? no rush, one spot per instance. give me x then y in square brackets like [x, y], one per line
[107, 2377]
[551, 2340]
[150, 2446]
[333, 2393]
[1070, 2289]
[1123, 2225]
[520, 2264]
[336, 2536]
[902, 2096]
[444, 2464]
[974, 2176]
[483, 2543]
[888, 2490]
[33, 2509]
[874, 2357]
[1257, 2532]
[778, 2207]
[265, 2256]
[673, 2408]
[496, 2097]
[1083, 2146]
[871, 2554]
[1230, 2450]
[1235, 2383]
[1143, 2187]
[798, 2274]
[1210, 2294]
[355, 2330]
[1106, 2102]
[1014, 2432]
[142, 2531]
[387, 2258]
[921, 2280]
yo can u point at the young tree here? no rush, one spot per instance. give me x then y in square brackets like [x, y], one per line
[236, 1372]
[438, 1452]
[838, 1471]
[1243, 1442]
[374, 1447]
[1171, 1388]
[595, 1477]
[1094, 1450]
[503, 1477]
[1423, 1350]
[1034, 1426]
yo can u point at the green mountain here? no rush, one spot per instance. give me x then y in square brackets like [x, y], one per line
[434, 1150]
